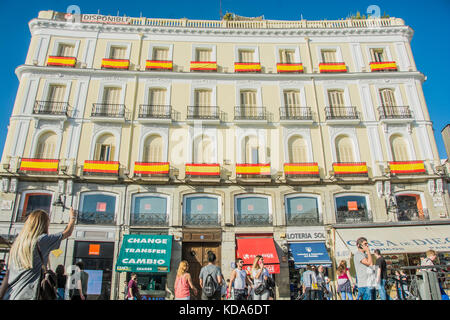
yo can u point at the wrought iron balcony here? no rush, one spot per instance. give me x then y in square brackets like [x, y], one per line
[203, 113]
[412, 214]
[353, 216]
[103, 218]
[149, 111]
[108, 110]
[253, 219]
[338, 113]
[149, 219]
[201, 219]
[295, 113]
[250, 113]
[303, 220]
[54, 108]
[394, 112]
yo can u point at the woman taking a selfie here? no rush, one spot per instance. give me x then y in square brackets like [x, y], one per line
[259, 275]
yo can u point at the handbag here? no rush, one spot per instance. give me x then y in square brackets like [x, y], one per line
[47, 284]
[314, 285]
[260, 289]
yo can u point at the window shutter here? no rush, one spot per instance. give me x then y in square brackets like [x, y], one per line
[328, 56]
[98, 148]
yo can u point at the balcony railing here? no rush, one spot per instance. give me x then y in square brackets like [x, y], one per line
[149, 219]
[338, 113]
[250, 113]
[203, 113]
[412, 214]
[295, 113]
[103, 218]
[147, 111]
[262, 219]
[303, 220]
[54, 108]
[391, 112]
[108, 110]
[202, 219]
[353, 216]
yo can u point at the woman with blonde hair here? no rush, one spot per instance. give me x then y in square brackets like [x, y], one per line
[259, 274]
[344, 282]
[23, 276]
[183, 282]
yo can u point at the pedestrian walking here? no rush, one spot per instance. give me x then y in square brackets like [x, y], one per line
[344, 281]
[61, 280]
[81, 282]
[22, 279]
[363, 264]
[183, 282]
[239, 282]
[2, 271]
[211, 279]
[259, 275]
[381, 274]
[321, 283]
[430, 260]
[308, 279]
[133, 288]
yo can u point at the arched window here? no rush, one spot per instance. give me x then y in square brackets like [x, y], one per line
[202, 150]
[97, 208]
[302, 210]
[46, 146]
[410, 207]
[201, 209]
[352, 209]
[157, 96]
[399, 148]
[298, 150]
[387, 97]
[149, 209]
[253, 210]
[153, 149]
[251, 150]
[33, 200]
[344, 149]
[105, 148]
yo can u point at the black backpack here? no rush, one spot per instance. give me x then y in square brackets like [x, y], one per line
[48, 284]
[210, 286]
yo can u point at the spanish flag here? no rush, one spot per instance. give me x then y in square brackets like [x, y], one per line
[203, 66]
[407, 167]
[332, 67]
[61, 61]
[289, 67]
[151, 168]
[253, 169]
[345, 168]
[115, 64]
[158, 65]
[301, 168]
[247, 67]
[92, 166]
[381, 66]
[39, 165]
[203, 169]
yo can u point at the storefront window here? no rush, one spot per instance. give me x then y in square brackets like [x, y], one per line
[152, 286]
[97, 208]
[34, 201]
[149, 210]
[252, 211]
[201, 210]
[352, 209]
[302, 211]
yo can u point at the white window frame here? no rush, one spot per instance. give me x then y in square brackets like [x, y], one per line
[83, 194]
[253, 195]
[255, 49]
[407, 138]
[354, 140]
[211, 87]
[385, 48]
[26, 192]
[305, 195]
[397, 94]
[57, 42]
[165, 86]
[347, 99]
[155, 194]
[161, 45]
[151, 131]
[115, 84]
[304, 134]
[339, 57]
[211, 47]
[419, 193]
[118, 44]
[295, 48]
[98, 135]
[300, 89]
[211, 195]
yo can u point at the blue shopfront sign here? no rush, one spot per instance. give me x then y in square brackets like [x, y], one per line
[314, 253]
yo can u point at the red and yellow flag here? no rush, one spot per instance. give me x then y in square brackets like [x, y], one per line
[203, 66]
[39, 165]
[350, 168]
[158, 65]
[203, 169]
[247, 67]
[151, 168]
[115, 63]
[301, 168]
[388, 65]
[93, 166]
[253, 169]
[332, 67]
[407, 167]
[289, 67]
[61, 61]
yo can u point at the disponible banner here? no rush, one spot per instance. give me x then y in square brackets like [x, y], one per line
[145, 253]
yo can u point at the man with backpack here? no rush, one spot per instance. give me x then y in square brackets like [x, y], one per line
[211, 279]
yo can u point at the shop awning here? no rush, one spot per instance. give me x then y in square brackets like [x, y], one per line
[314, 253]
[247, 248]
[401, 239]
[145, 253]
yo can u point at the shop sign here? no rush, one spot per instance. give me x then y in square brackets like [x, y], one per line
[305, 234]
[98, 18]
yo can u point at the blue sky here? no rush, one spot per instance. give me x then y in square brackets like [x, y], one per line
[429, 19]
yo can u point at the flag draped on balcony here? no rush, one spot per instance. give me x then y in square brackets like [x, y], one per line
[61, 61]
[39, 165]
[253, 169]
[379, 66]
[301, 168]
[350, 168]
[115, 63]
[289, 67]
[332, 67]
[202, 169]
[407, 167]
[247, 67]
[203, 66]
[151, 168]
[92, 166]
[158, 65]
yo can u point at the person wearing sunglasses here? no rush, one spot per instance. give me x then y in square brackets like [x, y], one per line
[364, 269]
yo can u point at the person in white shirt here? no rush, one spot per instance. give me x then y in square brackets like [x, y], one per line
[238, 282]
[259, 275]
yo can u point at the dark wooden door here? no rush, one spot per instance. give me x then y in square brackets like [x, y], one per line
[196, 254]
